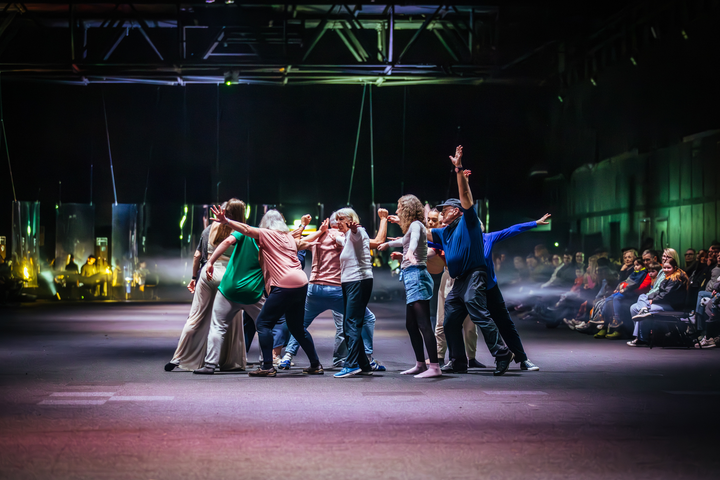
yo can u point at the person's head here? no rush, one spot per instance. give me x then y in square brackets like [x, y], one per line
[649, 257]
[638, 264]
[669, 253]
[567, 257]
[409, 209]
[433, 218]
[91, 260]
[579, 272]
[541, 252]
[579, 258]
[273, 220]
[234, 210]
[689, 256]
[669, 267]
[629, 256]
[333, 220]
[653, 269]
[450, 210]
[519, 262]
[601, 252]
[702, 255]
[531, 261]
[344, 217]
[713, 252]
[556, 260]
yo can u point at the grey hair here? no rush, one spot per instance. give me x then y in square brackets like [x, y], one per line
[273, 220]
[482, 225]
[349, 213]
[333, 220]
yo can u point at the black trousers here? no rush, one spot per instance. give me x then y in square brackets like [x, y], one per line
[291, 303]
[501, 317]
[469, 297]
[356, 296]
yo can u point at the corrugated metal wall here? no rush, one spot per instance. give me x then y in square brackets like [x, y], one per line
[671, 196]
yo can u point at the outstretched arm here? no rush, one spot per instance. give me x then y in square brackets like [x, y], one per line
[304, 222]
[382, 229]
[237, 226]
[466, 198]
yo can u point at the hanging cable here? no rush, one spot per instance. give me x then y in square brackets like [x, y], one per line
[357, 142]
[402, 162]
[107, 134]
[217, 143]
[372, 154]
[7, 150]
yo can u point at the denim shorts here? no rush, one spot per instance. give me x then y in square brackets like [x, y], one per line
[418, 284]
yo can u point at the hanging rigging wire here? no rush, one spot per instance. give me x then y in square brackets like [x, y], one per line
[7, 150]
[402, 163]
[372, 154]
[107, 134]
[357, 142]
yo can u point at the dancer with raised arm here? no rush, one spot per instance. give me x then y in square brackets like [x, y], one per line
[286, 283]
[418, 285]
[462, 242]
[356, 280]
[191, 349]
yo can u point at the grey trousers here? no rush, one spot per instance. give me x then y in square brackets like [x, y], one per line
[222, 318]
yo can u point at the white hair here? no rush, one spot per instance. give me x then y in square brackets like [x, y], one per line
[333, 220]
[273, 220]
[349, 213]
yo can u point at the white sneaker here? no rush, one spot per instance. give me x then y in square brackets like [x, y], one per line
[642, 314]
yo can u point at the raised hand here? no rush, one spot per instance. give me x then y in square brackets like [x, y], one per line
[209, 269]
[353, 226]
[325, 225]
[467, 173]
[543, 219]
[219, 214]
[306, 219]
[457, 159]
[382, 213]
[393, 219]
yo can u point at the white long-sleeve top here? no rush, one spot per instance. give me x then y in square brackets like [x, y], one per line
[355, 260]
[411, 245]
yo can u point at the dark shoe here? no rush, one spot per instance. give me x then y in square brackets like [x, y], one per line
[472, 363]
[314, 370]
[238, 369]
[271, 372]
[449, 368]
[205, 370]
[502, 364]
[169, 367]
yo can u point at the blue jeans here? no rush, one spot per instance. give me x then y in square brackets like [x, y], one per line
[328, 297]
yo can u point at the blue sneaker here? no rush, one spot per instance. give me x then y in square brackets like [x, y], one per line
[285, 362]
[377, 366]
[347, 372]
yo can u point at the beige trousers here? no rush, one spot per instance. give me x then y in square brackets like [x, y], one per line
[192, 346]
[469, 329]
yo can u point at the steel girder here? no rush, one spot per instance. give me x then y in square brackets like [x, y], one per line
[297, 43]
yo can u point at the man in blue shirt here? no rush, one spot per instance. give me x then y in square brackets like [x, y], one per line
[462, 241]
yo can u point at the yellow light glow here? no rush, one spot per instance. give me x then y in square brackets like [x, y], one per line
[26, 274]
[182, 222]
[107, 270]
[186, 208]
[247, 213]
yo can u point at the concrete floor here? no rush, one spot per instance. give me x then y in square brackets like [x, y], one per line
[84, 395]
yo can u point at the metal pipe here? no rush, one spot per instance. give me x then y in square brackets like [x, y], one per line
[107, 134]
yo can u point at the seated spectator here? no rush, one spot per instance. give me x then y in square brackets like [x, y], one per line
[89, 268]
[71, 266]
[580, 260]
[521, 268]
[707, 299]
[626, 269]
[670, 296]
[564, 274]
[690, 261]
[539, 272]
[626, 290]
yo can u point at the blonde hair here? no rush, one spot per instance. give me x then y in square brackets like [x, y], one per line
[234, 210]
[670, 252]
[349, 213]
[411, 209]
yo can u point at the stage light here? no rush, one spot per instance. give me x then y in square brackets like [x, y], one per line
[685, 35]
[29, 231]
[557, 244]
[247, 213]
[26, 274]
[632, 59]
[560, 98]
[592, 80]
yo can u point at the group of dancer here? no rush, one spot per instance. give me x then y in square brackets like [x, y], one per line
[254, 281]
